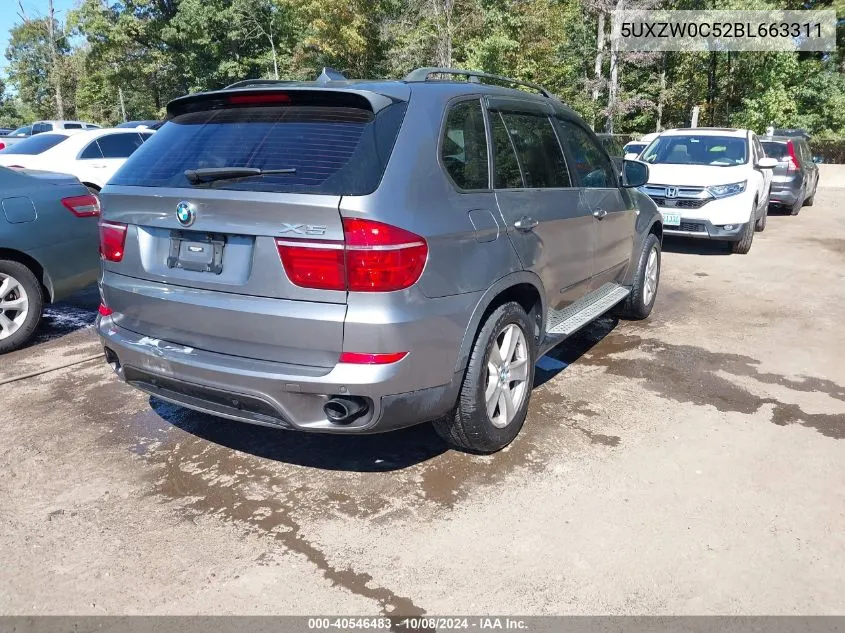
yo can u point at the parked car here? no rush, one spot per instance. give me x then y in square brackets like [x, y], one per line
[151, 124]
[796, 176]
[93, 156]
[633, 149]
[48, 247]
[710, 183]
[39, 127]
[5, 130]
[15, 136]
[342, 257]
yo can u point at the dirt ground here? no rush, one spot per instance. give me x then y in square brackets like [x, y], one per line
[693, 463]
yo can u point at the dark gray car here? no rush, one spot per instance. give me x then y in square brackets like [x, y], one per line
[48, 247]
[796, 176]
[359, 256]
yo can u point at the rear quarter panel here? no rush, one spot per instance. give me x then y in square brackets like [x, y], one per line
[65, 246]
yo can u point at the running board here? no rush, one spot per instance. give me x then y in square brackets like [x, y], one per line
[577, 315]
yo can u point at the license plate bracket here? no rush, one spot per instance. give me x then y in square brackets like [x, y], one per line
[671, 219]
[197, 252]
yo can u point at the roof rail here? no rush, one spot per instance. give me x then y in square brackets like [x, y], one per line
[422, 74]
[246, 83]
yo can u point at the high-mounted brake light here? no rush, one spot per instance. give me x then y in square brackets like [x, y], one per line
[358, 358]
[271, 98]
[793, 159]
[87, 206]
[112, 240]
[374, 257]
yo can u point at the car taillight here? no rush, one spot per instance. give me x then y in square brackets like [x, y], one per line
[793, 159]
[381, 257]
[374, 257]
[2, 145]
[104, 310]
[314, 264]
[112, 240]
[86, 206]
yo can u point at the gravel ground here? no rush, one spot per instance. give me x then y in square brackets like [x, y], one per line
[690, 464]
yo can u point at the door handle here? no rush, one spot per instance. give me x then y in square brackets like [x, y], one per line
[525, 223]
[599, 214]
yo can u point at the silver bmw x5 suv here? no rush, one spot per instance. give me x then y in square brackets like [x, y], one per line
[359, 256]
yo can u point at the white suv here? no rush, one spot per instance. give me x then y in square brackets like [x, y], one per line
[710, 183]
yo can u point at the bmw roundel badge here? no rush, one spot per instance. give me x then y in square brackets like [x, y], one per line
[185, 213]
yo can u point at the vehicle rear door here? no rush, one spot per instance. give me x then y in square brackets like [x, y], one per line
[602, 200]
[202, 264]
[809, 166]
[546, 223]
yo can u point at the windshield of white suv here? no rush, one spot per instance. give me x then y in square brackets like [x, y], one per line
[719, 151]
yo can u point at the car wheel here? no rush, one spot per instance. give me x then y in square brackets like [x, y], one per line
[494, 396]
[742, 246]
[639, 303]
[20, 305]
[808, 202]
[760, 225]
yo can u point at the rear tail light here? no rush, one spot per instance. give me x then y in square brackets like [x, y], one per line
[793, 159]
[374, 257]
[104, 310]
[358, 358]
[2, 145]
[112, 240]
[86, 206]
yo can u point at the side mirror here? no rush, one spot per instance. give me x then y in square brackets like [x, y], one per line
[818, 160]
[634, 173]
[767, 163]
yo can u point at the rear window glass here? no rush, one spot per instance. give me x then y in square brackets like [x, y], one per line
[774, 149]
[35, 144]
[334, 150]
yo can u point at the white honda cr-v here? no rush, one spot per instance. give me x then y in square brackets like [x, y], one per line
[710, 183]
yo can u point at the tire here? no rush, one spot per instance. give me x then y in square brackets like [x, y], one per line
[639, 303]
[795, 209]
[470, 427]
[760, 225]
[742, 246]
[808, 202]
[21, 302]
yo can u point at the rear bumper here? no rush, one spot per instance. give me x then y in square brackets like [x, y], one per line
[270, 393]
[785, 194]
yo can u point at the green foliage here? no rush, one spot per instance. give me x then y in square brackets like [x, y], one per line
[150, 51]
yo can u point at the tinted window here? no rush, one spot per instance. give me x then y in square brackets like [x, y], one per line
[611, 145]
[39, 128]
[119, 145]
[537, 149]
[506, 174]
[464, 146]
[35, 144]
[22, 131]
[590, 162]
[335, 150]
[73, 126]
[92, 150]
[775, 149]
[704, 149]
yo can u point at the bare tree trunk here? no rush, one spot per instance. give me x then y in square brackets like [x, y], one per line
[661, 97]
[55, 74]
[599, 55]
[711, 89]
[443, 10]
[122, 104]
[275, 59]
[613, 88]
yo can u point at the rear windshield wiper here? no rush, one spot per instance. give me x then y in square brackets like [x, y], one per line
[211, 174]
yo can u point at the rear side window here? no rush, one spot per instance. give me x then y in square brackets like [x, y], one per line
[463, 148]
[537, 149]
[119, 145]
[35, 144]
[506, 166]
[73, 126]
[335, 150]
[92, 150]
[590, 162]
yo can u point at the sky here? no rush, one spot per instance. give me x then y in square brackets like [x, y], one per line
[34, 8]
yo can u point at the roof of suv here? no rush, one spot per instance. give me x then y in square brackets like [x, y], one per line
[400, 89]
